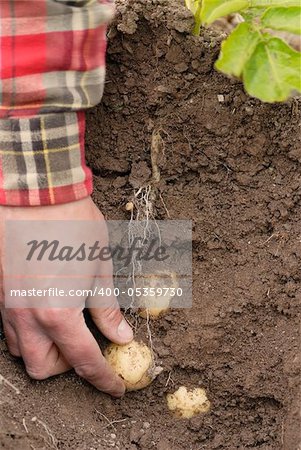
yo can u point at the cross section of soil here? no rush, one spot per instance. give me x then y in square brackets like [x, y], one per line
[231, 164]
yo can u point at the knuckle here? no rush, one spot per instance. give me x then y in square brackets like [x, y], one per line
[111, 314]
[18, 315]
[52, 318]
[37, 373]
[35, 363]
[14, 351]
[86, 371]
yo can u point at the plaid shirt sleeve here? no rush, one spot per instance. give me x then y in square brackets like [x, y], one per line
[52, 67]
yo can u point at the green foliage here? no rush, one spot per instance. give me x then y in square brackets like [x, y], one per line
[214, 9]
[282, 18]
[272, 72]
[237, 50]
[195, 7]
[269, 68]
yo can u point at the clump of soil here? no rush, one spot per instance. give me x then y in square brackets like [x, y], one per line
[232, 165]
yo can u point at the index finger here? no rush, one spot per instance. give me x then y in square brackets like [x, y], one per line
[82, 352]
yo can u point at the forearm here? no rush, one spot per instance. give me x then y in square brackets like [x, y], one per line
[52, 68]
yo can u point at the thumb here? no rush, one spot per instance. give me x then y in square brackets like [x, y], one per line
[108, 317]
[112, 324]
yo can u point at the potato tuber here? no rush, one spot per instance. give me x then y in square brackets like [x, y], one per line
[186, 404]
[163, 285]
[134, 363]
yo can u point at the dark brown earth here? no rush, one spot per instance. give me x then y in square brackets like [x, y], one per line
[233, 167]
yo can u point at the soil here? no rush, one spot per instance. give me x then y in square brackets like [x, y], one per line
[233, 168]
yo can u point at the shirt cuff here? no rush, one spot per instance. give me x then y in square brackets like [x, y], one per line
[42, 160]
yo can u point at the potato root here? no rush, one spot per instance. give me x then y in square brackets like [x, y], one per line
[186, 404]
[134, 363]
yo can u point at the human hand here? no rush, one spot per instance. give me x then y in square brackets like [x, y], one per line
[52, 341]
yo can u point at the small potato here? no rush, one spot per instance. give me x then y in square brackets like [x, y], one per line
[129, 206]
[186, 404]
[162, 283]
[159, 306]
[134, 363]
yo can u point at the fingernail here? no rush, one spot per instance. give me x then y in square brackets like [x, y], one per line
[125, 331]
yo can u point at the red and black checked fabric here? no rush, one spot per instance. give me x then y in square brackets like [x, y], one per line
[52, 66]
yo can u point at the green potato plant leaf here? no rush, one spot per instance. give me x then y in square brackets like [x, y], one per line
[272, 73]
[237, 49]
[193, 5]
[214, 9]
[271, 3]
[283, 19]
[269, 68]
